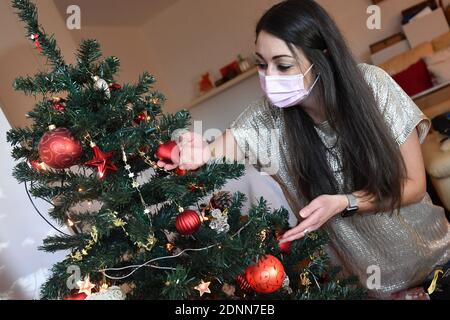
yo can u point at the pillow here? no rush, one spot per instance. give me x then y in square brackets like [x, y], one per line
[439, 66]
[414, 79]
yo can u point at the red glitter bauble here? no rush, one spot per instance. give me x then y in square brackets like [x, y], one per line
[188, 222]
[59, 149]
[266, 276]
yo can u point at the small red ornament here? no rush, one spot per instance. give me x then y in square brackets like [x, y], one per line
[101, 161]
[76, 296]
[285, 247]
[58, 103]
[243, 284]
[59, 149]
[35, 37]
[59, 107]
[180, 172]
[266, 276]
[194, 187]
[168, 152]
[114, 87]
[142, 117]
[188, 222]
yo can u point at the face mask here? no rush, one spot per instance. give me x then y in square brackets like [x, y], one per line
[286, 91]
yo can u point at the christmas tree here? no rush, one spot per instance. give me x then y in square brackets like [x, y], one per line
[151, 234]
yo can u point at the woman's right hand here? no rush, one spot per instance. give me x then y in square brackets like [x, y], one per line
[194, 152]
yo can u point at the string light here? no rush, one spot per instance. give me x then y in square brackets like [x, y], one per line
[72, 225]
[149, 262]
[169, 247]
[151, 239]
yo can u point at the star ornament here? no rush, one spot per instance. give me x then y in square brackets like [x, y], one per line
[203, 288]
[85, 286]
[101, 161]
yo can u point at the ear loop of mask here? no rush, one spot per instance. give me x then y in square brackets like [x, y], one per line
[314, 84]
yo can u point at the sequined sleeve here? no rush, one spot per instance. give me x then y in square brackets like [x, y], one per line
[400, 112]
[252, 130]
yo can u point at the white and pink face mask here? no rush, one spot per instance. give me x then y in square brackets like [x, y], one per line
[286, 91]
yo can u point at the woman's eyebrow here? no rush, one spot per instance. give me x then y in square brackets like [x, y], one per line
[275, 57]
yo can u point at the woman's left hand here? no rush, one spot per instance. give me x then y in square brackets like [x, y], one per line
[316, 213]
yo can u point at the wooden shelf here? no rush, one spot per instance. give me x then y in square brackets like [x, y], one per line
[223, 87]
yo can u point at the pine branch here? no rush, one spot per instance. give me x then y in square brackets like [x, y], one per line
[27, 12]
[88, 53]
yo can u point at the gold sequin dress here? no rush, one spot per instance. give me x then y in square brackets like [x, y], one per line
[405, 247]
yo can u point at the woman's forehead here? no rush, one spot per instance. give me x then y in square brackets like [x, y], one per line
[270, 46]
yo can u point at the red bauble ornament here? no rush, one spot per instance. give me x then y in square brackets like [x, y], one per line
[168, 152]
[59, 149]
[76, 296]
[285, 247]
[266, 276]
[243, 284]
[114, 87]
[180, 172]
[188, 222]
[101, 161]
[59, 106]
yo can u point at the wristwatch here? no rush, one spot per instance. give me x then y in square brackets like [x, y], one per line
[352, 206]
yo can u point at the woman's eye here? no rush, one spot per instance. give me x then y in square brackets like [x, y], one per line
[261, 65]
[284, 68]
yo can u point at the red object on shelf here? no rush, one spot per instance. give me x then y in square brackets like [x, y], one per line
[230, 71]
[415, 79]
[205, 83]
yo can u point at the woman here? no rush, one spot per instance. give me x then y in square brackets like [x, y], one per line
[349, 142]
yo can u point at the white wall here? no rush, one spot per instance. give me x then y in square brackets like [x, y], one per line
[193, 37]
[23, 268]
[19, 57]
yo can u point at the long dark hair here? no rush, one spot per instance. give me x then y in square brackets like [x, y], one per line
[371, 158]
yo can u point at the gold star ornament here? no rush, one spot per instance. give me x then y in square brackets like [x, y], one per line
[85, 286]
[203, 288]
